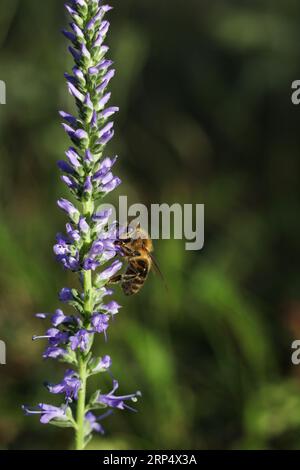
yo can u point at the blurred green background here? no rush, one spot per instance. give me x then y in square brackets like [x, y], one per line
[206, 117]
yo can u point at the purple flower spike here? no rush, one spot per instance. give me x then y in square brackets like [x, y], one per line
[88, 248]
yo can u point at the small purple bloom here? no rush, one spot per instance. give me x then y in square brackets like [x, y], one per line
[106, 129]
[102, 218]
[100, 323]
[74, 92]
[70, 386]
[70, 182]
[103, 365]
[87, 101]
[73, 234]
[69, 35]
[47, 412]
[88, 187]
[54, 353]
[68, 207]
[90, 264]
[104, 169]
[117, 402]
[41, 316]
[111, 185]
[80, 134]
[106, 137]
[66, 295]
[88, 156]
[68, 117]
[60, 318]
[55, 337]
[80, 340]
[108, 112]
[91, 420]
[105, 80]
[73, 157]
[103, 101]
[112, 307]
[78, 32]
[65, 167]
[78, 74]
[111, 271]
[83, 225]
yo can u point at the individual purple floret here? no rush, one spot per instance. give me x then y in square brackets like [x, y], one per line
[93, 423]
[70, 386]
[113, 401]
[80, 340]
[48, 412]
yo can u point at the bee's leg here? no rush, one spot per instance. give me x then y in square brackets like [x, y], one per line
[129, 277]
[115, 279]
[121, 278]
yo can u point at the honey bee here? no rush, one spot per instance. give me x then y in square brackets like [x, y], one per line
[137, 250]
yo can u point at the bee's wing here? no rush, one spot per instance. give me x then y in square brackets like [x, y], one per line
[157, 270]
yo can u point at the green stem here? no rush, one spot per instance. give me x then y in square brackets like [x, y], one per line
[81, 405]
[88, 208]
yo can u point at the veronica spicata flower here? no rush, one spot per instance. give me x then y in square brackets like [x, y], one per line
[113, 401]
[70, 386]
[87, 247]
[48, 413]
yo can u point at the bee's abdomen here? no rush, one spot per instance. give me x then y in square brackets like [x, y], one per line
[135, 276]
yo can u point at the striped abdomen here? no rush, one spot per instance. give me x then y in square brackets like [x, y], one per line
[136, 275]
